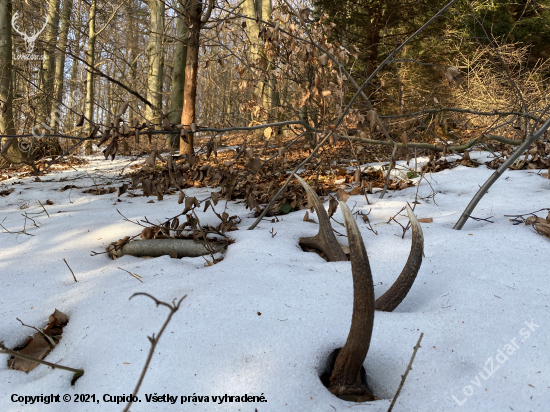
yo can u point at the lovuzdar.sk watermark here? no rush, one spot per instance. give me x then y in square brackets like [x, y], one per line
[29, 40]
[491, 366]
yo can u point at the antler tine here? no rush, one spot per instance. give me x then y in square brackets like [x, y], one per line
[325, 241]
[397, 292]
[345, 379]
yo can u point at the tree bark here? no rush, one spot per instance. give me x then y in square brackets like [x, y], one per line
[12, 154]
[261, 10]
[188, 115]
[155, 59]
[178, 74]
[60, 62]
[48, 64]
[89, 75]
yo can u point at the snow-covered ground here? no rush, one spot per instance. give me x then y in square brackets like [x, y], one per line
[263, 321]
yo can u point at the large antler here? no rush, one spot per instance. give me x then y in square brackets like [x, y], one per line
[397, 292]
[325, 241]
[346, 379]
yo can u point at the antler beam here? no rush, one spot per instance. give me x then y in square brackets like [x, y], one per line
[400, 288]
[346, 379]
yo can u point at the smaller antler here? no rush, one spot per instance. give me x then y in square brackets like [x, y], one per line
[397, 292]
[325, 241]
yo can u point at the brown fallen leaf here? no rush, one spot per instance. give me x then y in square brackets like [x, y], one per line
[332, 206]
[37, 348]
[426, 220]
[148, 233]
[307, 218]
[342, 195]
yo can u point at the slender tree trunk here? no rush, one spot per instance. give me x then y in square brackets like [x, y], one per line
[188, 115]
[133, 57]
[178, 74]
[89, 75]
[48, 64]
[260, 9]
[155, 59]
[60, 62]
[7, 126]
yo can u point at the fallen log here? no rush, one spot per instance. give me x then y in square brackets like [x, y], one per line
[159, 247]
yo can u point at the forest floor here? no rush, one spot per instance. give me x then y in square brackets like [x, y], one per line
[264, 319]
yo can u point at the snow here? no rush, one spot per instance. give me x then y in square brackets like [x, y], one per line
[474, 292]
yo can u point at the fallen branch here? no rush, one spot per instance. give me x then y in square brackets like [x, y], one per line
[495, 176]
[74, 277]
[77, 372]
[162, 247]
[433, 147]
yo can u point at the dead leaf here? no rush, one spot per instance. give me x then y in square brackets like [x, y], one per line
[426, 220]
[342, 195]
[122, 189]
[148, 233]
[37, 348]
[355, 191]
[307, 218]
[332, 206]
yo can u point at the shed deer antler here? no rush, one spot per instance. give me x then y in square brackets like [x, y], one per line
[29, 40]
[325, 241]
[345, 380]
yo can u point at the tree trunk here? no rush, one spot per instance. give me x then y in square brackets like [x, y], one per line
[60, 62]
[178, 74]
[48, 64]
[133, 57]
[89, 75]
[155, 59]
[7, 126]
[188, 115]
[260, 9]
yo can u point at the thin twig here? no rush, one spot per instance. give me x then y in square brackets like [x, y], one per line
[74, 277]
[409, 367]
[173, 309]
[10, 352]
[135, 275]
[50, 339]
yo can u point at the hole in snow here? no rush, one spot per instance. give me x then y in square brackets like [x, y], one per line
[325, 380]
